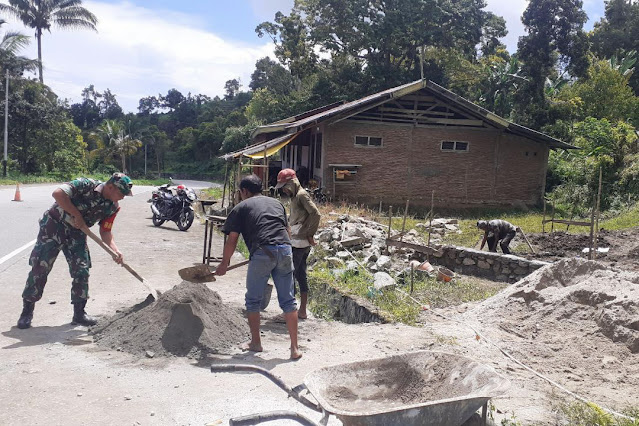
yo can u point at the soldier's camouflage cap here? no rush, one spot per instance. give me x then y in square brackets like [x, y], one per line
[122, 182]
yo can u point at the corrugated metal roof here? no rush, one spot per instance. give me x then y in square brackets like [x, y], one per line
[397, 92]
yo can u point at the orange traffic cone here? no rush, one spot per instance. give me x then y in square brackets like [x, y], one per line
[17, 196]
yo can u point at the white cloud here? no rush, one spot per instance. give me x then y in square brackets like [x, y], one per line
[140, 52]
[511, 11]
[265, 10]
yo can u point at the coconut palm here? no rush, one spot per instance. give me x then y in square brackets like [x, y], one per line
[10, 45]
[42, 14]
[117, 142]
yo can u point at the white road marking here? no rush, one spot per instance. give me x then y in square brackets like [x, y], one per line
[17, 251]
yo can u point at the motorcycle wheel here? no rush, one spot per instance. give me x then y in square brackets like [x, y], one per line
[185, 220]
[156, 220]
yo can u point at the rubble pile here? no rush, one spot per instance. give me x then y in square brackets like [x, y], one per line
[350, 241]
[439, 228]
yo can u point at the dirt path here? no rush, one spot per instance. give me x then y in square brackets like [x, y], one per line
[54, 368]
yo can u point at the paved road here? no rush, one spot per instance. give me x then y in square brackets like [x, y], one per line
[19, 221]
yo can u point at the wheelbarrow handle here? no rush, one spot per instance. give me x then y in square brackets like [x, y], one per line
[232, 368]
[271, 416]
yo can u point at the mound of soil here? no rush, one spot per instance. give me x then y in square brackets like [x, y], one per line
[189, 320]
[568, 303]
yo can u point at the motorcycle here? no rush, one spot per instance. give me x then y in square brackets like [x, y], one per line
[176, 207]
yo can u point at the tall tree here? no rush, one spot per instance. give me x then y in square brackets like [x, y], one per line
[617, 33]
[42, 14]
[555, 38]
[12, 43]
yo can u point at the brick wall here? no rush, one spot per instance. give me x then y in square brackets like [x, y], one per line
[498, 169]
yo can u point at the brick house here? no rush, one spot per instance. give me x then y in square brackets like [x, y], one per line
[405, 142]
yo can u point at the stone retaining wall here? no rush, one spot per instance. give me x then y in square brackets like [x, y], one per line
[349, 308]
[495, 266]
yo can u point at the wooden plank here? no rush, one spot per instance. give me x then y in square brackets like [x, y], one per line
[419, 98]
[416, 247]
[416, 111]
[566, 222]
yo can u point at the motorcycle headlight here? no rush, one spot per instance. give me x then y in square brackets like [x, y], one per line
[191, 195]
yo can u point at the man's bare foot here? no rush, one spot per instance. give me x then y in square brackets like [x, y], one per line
[250, 346]
[301, 315]
[295, 353]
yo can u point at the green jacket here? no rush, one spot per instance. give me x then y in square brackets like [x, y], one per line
[304, 212]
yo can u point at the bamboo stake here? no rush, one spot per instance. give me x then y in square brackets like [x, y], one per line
[380, 208]
[552, 224]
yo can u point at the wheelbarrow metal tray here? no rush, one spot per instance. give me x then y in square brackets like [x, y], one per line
[417, 388]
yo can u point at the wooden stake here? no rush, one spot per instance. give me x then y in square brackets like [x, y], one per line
[404, 222]
[226, 176]
[390, 221]
[594, 254]
[543, 221]
[380, 208]
[552, 224]
[592, 226]
[431, 214]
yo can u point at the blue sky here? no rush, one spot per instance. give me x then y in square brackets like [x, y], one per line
[147, 47]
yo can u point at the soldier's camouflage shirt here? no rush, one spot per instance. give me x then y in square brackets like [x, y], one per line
[86, 196]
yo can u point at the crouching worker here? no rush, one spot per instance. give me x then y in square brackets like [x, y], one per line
[262, 222]
[79, 204]
[497, 231]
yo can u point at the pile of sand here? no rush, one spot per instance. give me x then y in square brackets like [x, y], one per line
[189, 320]
[568, 303]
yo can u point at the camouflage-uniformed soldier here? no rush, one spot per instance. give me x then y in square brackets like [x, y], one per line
[80, 203]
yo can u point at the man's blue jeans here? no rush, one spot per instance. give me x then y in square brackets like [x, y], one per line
[279, 265]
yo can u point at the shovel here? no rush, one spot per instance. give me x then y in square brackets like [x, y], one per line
[202, 273]
[526, 238]
[153, 292]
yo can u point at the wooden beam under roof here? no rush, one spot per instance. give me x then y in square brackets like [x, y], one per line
[420, 120]
[416, 111]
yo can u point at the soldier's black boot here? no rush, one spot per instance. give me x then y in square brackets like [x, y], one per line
[27, 314]
[80, 316]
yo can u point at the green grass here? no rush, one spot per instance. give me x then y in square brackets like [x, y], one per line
[439, 294]
[214, 193]
[579, 414]
[24, 179]
[396, 305]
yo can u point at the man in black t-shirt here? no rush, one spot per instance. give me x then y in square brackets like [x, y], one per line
[495, 231]
[262, 223]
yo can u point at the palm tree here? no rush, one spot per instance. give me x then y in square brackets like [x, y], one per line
[118, 142]
[12, 42]
[41, 14]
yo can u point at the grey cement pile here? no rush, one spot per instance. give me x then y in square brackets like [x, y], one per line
[189, 320]
[573, 306]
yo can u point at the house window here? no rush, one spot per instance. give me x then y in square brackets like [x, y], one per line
[368, 141]
[455, 146]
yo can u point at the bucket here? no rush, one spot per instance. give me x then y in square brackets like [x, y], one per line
[444, 274]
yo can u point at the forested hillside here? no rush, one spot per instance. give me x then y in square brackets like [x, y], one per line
[578, 86]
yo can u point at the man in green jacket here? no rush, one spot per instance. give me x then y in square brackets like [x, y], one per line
[304, 221]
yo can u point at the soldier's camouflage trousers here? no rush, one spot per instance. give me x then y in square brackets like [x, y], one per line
[52, 237]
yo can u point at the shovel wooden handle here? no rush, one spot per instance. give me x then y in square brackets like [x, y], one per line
[109, 250]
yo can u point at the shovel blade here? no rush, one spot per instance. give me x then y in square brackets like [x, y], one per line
[198, 274]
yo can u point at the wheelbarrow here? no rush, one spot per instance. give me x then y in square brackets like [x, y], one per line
[416, 388]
